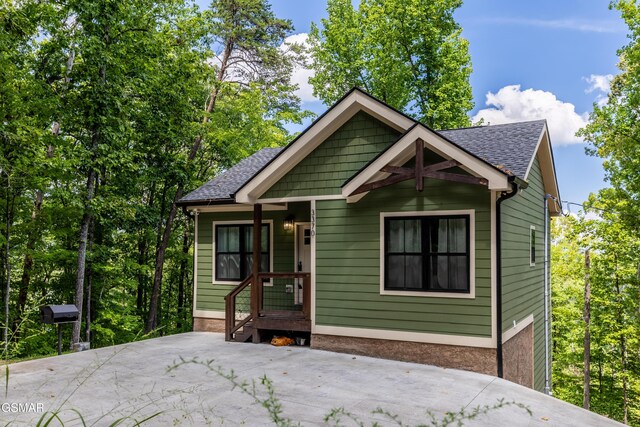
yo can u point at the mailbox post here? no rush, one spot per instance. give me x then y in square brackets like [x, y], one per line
[57, 315]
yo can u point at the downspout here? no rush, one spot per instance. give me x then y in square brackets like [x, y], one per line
[547, 301]
[503, 196]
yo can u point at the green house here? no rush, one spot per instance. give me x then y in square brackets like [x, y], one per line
[373, 234]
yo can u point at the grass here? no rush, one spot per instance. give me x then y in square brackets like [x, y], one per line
[262, 392]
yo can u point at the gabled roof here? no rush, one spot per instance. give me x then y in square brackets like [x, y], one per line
[509, 146]
[508, 149]
[341, 112]
[221, 188]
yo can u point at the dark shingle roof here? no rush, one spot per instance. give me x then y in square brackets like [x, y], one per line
[510, 147]
[227, 183]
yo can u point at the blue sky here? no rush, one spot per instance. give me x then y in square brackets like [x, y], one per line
[531, 59]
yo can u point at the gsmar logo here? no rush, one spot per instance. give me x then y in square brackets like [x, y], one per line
[21, 407]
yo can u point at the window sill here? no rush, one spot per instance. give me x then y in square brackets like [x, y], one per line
[231, 283]
[470, 295]
[223, 282]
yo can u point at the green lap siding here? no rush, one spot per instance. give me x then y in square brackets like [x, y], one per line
[339, 157]
[522, 284]
[348, 263]
[210, 295]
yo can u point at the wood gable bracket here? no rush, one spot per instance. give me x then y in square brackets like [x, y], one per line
[419, 172]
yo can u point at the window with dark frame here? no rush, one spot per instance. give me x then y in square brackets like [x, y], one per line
[427, 253]
[532, 246]
[234, 251]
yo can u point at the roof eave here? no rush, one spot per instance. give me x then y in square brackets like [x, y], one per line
[544, 153]
[205, 202]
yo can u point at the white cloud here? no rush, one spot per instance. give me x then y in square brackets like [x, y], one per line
[600, 26]
[301, 73]
[599, 83]
[510, 104]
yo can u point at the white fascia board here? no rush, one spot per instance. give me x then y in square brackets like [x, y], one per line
[403, 150]
[545, 159]
[336, 117]
[394, 156]
[517, 328]
[384, 113]
[541, 138]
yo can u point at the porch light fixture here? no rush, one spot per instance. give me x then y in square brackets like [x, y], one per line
[288, 223]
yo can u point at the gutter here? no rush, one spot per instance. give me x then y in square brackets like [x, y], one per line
[547, 298]
[503, 196]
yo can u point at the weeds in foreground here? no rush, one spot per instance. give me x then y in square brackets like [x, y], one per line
[263, 393]
[56, 414]
[48, 417]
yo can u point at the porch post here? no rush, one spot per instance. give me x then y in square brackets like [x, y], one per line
[257, 239]
[419, 164]
[256, 294]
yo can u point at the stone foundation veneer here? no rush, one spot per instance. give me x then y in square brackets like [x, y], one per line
[203, 324]
[517, 356]
[476, 359]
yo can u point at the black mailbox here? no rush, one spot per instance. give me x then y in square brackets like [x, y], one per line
[53, 314]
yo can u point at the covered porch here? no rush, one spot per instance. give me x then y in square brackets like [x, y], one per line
[268, 302]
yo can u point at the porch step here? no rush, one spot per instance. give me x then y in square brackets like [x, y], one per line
[245, 334]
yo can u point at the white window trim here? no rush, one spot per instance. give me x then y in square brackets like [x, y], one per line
[532, 230]
[213, 248]
[472, 254]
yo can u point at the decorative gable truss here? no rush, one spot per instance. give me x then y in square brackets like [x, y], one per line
[387, 168]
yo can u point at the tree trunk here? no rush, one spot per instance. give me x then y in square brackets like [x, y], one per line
[89, 284]
[587, 331]
[183, 275]
[152, 319]
[142, 260]
[143, 254]
[82, 250]
[600, 390]
[27, 264]
[625, 380]
[7, 264]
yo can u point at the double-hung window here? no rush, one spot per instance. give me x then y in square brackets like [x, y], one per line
[427, 253]
[234, 251]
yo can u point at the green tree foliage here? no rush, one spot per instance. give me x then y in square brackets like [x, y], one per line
[614, 128]
[614, 135]
[409, 53]
[615, 324]
[246, 38]
[100, 105]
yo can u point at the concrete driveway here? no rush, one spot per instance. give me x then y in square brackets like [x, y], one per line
[133, 381]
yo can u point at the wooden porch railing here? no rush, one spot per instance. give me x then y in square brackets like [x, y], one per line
[304, 309]
[232, 324]
[273, 303]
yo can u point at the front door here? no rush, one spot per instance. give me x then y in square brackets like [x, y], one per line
[303, 256]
